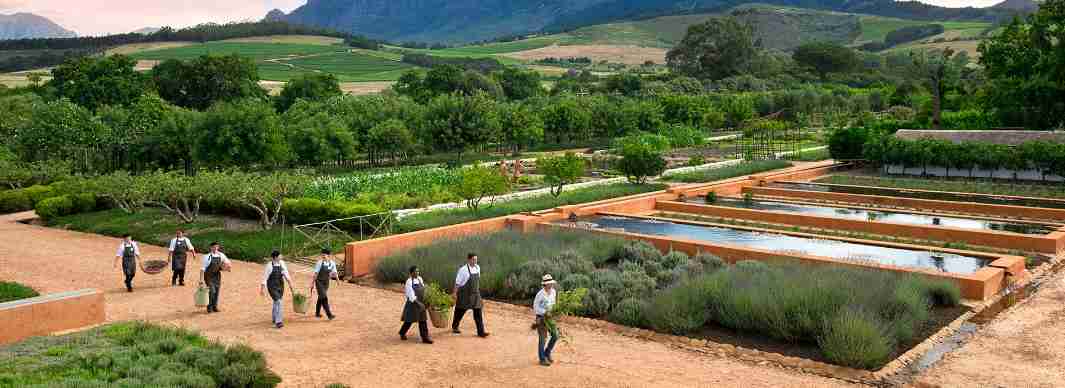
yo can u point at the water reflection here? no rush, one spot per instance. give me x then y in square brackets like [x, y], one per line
[944, 262]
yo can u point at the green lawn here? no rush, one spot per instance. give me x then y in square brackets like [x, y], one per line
[132, 354]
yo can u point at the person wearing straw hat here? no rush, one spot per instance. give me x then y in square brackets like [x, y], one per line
[324, 270]
[414, 308]
[467, 295]
[274, 277]
[128, 253]
[545, 300]
[179, 248]
[214, 262]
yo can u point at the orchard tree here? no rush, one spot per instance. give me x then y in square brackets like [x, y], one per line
[520, 126]
[519, 84]
[264, 194]
[171, 143]
[94, 82]
[476, 183]
[309, 86]
[559, 171]
[716, 49]
[640, 160]
[60, 129]
[390, 137]
[320, 138]
[456, 123]
[242, 133]
[825, 58]
[626, 84]
[182, 195]
[565, 119]
[202, 82]
[939, 73]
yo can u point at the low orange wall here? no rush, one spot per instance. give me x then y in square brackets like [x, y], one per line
[1008, 211]
[981, 285]
[1038, 243]
[361, 256]
[51, 313]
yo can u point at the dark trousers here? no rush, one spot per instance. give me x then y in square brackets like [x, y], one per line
[323, 302]
[423, 329]
[129, 282]
[178, 277]
[212, 293]
[478, 318]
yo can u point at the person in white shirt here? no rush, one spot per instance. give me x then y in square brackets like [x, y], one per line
[274, 277]
[545, 300]
[467, 295]
[414, 308]
[129, 253]
[214, 262]
[179, 248]
[324, 271]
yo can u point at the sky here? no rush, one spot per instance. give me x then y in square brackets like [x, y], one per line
[101, 17]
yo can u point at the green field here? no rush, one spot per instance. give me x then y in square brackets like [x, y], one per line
[875, 28]
[257, 51]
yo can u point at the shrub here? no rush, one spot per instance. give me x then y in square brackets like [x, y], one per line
[856, 340]
[696, 160]
[636, 284]
[673, 259]
[720, 173]
[848, 143]
[10, 291]
[679, 310]
[629, 312]
[17, 200]
[638, 252]
[84, 202]
[51, 208]
[710, 262]
[608, 282]
[942, 292]
[38, 193]
[751, 265]
[596, 303]
[575, 281]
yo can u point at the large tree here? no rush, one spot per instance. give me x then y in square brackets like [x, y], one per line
[241, 133]
[310, 86]
[204, 81]
[939, 72]
[825, 58]
[716, 49]
[94, 82]
[456, 123]
[1025, 64]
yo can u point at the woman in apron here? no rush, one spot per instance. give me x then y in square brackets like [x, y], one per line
[179, 248]
[324, 270]
[467, 294]
[128, 253]
[214, 262]
[274, 277]
[414, 308]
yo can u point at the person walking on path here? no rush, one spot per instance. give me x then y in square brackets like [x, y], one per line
[545, 300]
[467, 295]
[324, 271]
[274, 277]
[129, 253]
[214, 262]
[180, 246]
[414, 308]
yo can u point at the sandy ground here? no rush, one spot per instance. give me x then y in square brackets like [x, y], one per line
[361, 347]
[629, 55]
[1022, 347]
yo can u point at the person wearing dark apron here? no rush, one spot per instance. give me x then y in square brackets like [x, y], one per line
[324, 271]
[414, 308]
[467, 294]
[128, 253]
[214, 262]
[179, 248]
[274, 278]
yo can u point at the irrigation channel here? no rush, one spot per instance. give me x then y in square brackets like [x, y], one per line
[882, 216]
[922, 194]
[943, 262]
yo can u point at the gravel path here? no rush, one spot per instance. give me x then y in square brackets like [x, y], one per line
[361, 347]
[1022, 347]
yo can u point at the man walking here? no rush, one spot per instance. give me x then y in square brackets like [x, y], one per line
[467, 294]
[129, 253]
[324, 271]
[179, 248]
[214, 262]
[275, 275]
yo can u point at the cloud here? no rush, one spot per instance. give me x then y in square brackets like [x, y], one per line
[10, 4]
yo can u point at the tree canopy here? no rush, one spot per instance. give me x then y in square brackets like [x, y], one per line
[718, 48]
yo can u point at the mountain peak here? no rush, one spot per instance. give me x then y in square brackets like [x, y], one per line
[275, 15]
[25, 25]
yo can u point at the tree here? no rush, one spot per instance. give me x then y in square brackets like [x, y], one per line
[825, 58]
[479, 182]
[202, 82]
[242, 133]
[61, 130]
[172, 143]
[640, 160]
[456, 123]
[939, 73]
[263, 193]
[94, 82]
[309, 86]
[626, 84]
[565, 119]
[519, 84]
[391, 137]
[559, 171]
[181, 194]
[522, 126]
[716, 49]
[127, 192]
[1024, 65]
[320, 138]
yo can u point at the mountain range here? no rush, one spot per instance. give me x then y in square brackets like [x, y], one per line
[27, 25]
[458, 21]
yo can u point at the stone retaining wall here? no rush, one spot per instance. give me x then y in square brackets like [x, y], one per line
[44, 315]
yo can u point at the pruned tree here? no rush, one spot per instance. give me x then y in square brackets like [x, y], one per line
[263, 193]
[479, 182]
[559, 171]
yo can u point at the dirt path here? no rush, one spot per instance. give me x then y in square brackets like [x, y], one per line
[361, 347]
[1023, 347]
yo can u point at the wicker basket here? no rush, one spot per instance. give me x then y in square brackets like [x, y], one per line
[299, 308]
[440, 318]
[153, 267]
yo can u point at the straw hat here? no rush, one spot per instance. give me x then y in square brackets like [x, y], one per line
[548, 279]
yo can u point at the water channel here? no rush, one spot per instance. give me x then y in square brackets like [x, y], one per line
[918, 194]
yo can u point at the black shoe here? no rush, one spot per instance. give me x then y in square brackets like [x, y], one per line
[456, 331]
[427, 341]
[484, 335]
[129, 289]
[545, 363]
[331, 317]
[403, 337]
[549, 359]
[280, 325]
[317, 315]
[182, 284]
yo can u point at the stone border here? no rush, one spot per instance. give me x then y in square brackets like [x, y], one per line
[48, 314]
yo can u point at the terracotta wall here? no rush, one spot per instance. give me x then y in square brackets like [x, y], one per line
[1038, 243]
[1008, 211]
[361, 256]
[980, 285]
[51, 313]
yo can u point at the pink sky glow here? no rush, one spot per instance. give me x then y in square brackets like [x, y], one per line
[99, 17]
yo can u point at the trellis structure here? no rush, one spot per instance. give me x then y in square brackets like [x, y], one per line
[318, 235]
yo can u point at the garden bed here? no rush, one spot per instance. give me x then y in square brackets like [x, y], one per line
[716, 174]
[132, 354]
[873, 177]
[825, 313]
